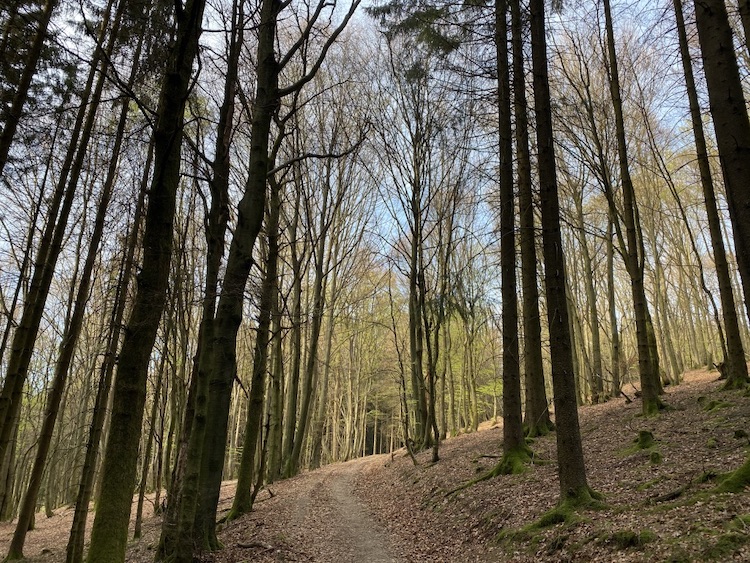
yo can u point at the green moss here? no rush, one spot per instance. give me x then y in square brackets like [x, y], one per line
[655, 458]
[707, 476]
[736, 481]
[716, 405]
[537, 430]
[645, 440]
[514, 461]
[648, 484]
[741, 523]
[726, 545]
[712, 443]
[557, 515]
[625, 539]
[740, 434]
[679, 555]
[566, 509]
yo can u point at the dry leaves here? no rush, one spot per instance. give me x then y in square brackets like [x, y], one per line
[382, 508]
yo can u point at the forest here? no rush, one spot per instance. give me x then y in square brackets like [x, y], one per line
[244, 239]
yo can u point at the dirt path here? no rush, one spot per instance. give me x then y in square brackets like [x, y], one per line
[332, 523]
[315, 517]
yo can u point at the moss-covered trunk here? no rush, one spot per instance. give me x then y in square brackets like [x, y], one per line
[109, 533]
[243, 498]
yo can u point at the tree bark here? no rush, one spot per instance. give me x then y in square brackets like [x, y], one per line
[110, 530]
[648, 360]
[537, 418]
[731, 148]
[514, 443]
[572, 469]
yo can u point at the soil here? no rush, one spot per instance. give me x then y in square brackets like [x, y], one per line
[659, 503]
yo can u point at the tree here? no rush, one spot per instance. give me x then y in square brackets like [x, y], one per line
[515, 450]
[197, 521]
[731, 124]
[634, 251]
[574, 487]
[537, 420]
[109, 533]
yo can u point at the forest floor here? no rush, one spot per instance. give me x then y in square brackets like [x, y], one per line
[384, 509]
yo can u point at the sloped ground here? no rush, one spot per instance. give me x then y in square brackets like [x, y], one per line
[384, 509]
[697, 439]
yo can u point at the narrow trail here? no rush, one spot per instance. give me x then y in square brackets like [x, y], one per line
[330, 523]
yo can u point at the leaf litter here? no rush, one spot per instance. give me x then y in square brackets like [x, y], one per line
[383, 509]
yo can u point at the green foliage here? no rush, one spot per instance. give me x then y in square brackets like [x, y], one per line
[425, 21]
[655, 458]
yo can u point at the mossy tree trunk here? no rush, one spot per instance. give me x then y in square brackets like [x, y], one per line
[74, 551]
[110, 530]
[70, 339]
[537, 418]
[193, 423]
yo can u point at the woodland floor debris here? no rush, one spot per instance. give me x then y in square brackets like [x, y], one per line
[383, 509]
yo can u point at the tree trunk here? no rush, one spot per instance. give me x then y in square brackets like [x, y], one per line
[648, 360]
[69, 343]
[572, 470]
[737, 374]
[536, 412]
[51, 242]
[243, 498]
[109, 533]
[74, 553]
[514, 443]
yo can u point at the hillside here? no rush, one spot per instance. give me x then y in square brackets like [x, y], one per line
[384, 508]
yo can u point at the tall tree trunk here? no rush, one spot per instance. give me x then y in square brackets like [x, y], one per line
[74, 552]
[292, 388]
[536, 412]
[276, 407]
[69, 343]
[514, 444]
[51, 242]
[243, 498]
[218, 217]
[322, 259]
[736, 368]
[219, 357]
[110, 530]
[648, 360]
[572, 470]
[597, 379]
[146, 459]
